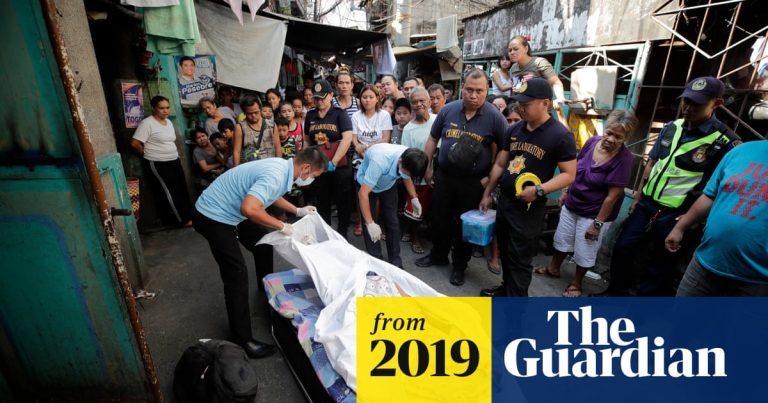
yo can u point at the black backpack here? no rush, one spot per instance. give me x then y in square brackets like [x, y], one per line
[214, 371]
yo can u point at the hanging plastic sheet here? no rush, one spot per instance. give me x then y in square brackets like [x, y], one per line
[247, 56]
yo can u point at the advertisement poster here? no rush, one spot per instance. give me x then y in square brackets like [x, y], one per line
[196, 77]
[133, 101]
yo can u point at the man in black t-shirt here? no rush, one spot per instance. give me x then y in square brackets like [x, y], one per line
[329, 128]
[466, 130]
[536, 145]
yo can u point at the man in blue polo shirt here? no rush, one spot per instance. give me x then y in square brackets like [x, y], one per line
[466, 130]
[234, 208]
[382, 166]
[732, 259]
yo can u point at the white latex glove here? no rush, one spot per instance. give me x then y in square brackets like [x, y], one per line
[287, 229]
[302, 211]
[416, 207]
[374, 231]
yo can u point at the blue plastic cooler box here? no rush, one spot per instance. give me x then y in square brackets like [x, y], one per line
[477, 227]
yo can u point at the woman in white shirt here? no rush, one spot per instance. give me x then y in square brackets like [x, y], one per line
[371, 124]
[155, 141]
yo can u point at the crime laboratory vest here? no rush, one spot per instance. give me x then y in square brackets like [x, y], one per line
[669, 183]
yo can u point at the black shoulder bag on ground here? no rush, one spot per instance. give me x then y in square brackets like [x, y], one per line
[214, 371]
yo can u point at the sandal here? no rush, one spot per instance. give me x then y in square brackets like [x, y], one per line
[406, 237]
[494, 268]
[545, 271]
[358, 230]
[478, 252]
[417, 249]
[572, 291]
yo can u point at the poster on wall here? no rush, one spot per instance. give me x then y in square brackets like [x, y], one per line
[196, 77]
[133, 101]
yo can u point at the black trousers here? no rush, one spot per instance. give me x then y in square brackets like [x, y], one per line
[335, 187]
[452, 197]
[633, 232]
[166, 179]
[223, 240]
[391, 226]
[518, 229]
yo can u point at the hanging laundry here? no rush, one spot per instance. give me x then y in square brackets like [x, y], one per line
[583, 127]
[254, 63]
[172, 30]
[237, 8]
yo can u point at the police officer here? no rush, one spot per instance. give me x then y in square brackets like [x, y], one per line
[467, 130]
[680, 164]
[537, 145]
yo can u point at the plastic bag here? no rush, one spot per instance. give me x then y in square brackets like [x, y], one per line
[341, 273]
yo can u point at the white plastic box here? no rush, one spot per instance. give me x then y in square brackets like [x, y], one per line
[477, 227]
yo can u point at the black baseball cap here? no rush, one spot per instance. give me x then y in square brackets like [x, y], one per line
[701, 90]
[321, 88]
[535, 88]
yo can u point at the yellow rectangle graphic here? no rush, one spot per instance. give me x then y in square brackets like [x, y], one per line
[423, 349]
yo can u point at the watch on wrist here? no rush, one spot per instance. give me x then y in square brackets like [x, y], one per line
[598, 224]
[540, 191]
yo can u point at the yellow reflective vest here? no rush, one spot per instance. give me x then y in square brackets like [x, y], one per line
[669, 184]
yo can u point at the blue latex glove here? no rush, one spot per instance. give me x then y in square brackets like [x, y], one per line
[331, 167]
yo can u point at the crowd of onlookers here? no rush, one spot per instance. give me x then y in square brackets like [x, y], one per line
[500, 146]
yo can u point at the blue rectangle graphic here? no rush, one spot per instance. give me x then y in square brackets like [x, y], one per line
[629, 349]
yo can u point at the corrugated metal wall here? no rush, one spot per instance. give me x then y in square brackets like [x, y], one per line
[64, 332]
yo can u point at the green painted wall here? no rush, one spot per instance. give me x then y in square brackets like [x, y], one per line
[64, 332]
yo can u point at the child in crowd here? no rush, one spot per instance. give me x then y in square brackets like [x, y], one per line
[285, 110]
[298, 111]
[227, 130]
[388, 104]
[402, 117]
[290, 148]
[267, 113]
[287, 142]
[512, 113]
[206, 157]
[223, 148]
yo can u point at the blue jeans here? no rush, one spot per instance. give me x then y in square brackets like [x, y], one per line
[700, 282]
[390, 224]
[633, 232]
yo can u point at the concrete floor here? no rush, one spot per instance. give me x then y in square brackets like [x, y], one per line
[189, 302]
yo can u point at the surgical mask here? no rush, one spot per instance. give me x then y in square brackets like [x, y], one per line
[303, 182]
[403, 175]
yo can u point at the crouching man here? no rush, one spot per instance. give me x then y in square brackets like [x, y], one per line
[234, 208]
[382, 166]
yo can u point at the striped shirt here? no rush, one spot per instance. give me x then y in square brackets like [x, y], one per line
[352, 108]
